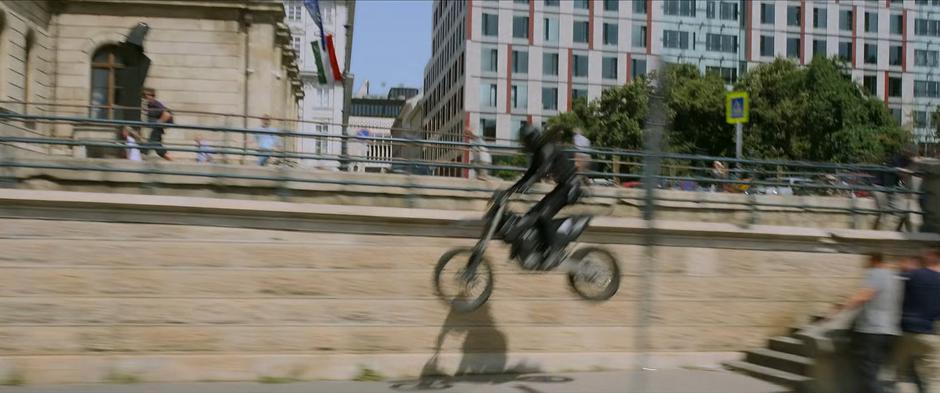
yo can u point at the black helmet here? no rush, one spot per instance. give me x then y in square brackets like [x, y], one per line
[529, 137]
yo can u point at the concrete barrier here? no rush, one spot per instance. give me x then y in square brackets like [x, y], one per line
[392, 190]
[97, 287]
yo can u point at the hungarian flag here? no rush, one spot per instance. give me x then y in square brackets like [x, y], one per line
[313, 7]
[321, 72]
[337, 75]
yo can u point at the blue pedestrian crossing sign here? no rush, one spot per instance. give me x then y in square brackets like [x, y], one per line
[737, 107]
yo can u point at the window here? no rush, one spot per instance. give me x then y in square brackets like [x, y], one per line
[580, 66]
[520, 27]
[793, 47]
[295, 42]
[927, 27]
[639, 7]
[871, 22]
[897, 21]
[294, 12]
[320, 145]
[551, 30]
[611, 5]
[819, 18]
[711, 9]
[551, 3]
[767, 46]
[920, 119]
[581, 31]
[550, 98]
[926, 58]
[519, 96]
[610, 34]
[488, 126]
[894, 87]
[488, 95]
[845, 51]
[894, 55]
[721, 43]
[727, 10]
[819, 48]
[490, 25]
[578, 93]
[870, 84]
[550, 64]
[927, 89]
[322, 98]
[523, 2]
[609, 68]
[106, 90]
[489, 59]
[871, 54]
[520, 62]
[728, 74]
[845, 20]
[581, 4]
[638, 68]
[675, 39]
[679, 7]
[793, 15]
[639, 36]
[896, 114]
[767, 13]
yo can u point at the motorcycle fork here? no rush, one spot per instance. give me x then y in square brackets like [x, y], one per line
[477, 255]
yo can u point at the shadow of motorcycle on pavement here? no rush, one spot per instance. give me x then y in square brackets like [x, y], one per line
[484, 359]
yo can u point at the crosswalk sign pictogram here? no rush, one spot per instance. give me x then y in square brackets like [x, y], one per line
[737, 107]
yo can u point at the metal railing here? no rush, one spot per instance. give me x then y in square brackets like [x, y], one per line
[612, 167]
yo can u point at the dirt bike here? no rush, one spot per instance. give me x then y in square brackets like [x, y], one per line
[593, 272]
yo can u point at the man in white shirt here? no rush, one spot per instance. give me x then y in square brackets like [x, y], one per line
[266, 142]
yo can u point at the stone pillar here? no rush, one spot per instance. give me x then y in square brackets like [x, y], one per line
[262, 83]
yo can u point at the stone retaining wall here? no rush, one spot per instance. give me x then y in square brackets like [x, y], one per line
[105, 297]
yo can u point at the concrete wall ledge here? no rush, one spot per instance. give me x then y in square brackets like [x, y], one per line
[428, 222]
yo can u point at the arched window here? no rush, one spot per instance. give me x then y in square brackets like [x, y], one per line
[105, 91]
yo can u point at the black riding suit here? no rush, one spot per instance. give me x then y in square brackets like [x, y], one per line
[549, 160]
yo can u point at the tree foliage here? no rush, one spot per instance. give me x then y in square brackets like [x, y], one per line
[615, 119]
[816, 113]
[696, 108]
[801, 113]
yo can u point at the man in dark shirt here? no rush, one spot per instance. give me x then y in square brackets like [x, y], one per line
[921, 309]
[157, 114]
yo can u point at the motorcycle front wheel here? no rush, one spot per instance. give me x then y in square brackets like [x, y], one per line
[595, 273]
[463, 292]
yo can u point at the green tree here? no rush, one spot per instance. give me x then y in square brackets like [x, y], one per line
[696, 108]
[580, 116]
[816, 113]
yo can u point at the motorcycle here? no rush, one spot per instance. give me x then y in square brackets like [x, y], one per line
[593, 272]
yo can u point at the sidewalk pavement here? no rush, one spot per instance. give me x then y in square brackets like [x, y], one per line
[661, 381]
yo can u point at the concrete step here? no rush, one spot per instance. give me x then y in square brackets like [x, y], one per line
[797, 382]
[788, 345]
[782, 361]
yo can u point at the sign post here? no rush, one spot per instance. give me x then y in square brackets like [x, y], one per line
[737, 111]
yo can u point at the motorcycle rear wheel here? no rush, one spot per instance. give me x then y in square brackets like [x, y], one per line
[595, 274]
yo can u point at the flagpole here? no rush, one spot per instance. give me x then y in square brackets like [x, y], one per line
[347, 83]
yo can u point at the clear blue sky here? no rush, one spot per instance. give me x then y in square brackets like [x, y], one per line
[391, 43]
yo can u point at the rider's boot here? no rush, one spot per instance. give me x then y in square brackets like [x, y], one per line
[552, 258]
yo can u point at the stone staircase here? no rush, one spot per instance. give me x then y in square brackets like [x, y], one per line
[786, 360]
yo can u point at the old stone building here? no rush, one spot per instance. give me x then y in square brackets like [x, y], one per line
[214, 63]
